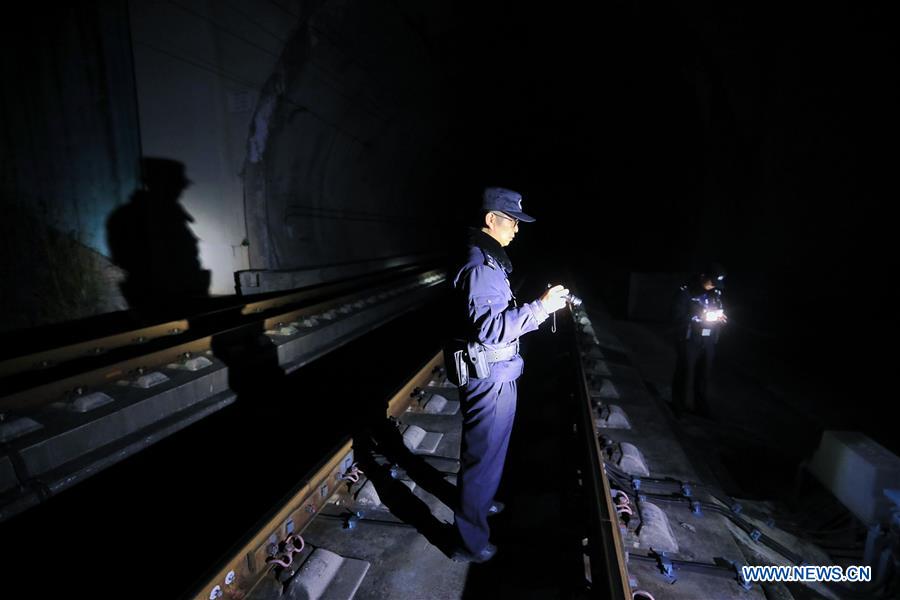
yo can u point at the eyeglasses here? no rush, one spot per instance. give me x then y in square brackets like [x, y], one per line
[502, 216]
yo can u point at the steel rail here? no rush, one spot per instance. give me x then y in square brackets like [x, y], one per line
[55, 357]
[247, 565]
[609, 574]
[257, 317]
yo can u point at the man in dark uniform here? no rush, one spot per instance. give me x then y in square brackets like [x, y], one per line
[490, 324]
[699, 316]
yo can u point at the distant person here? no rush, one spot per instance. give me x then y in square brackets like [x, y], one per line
[150, 238]
[699, 315]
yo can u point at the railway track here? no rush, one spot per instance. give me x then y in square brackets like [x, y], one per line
[363, 512]
[67, 413]
[269, 550]
[305, 547]
[178, 372]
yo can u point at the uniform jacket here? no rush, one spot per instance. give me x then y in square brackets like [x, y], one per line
[688, 309]
[487, 310]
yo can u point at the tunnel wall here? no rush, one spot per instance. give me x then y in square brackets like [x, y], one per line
[309, 134]
[307, 129]
[199, 68]
[345, 142]
[69, 154]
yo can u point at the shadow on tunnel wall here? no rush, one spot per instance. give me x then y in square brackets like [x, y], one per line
[150, 238]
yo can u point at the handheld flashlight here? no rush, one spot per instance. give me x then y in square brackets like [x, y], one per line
[711, 316]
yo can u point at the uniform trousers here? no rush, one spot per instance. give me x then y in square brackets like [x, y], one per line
[693, 371]
[489, 408]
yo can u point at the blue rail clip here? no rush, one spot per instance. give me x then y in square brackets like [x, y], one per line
[742, 581]
[352, 519]
[664, 563]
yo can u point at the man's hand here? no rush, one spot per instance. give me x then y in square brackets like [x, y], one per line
[554, 298]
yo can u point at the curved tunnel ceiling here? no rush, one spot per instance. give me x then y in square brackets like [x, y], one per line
[644, 136]
[345, 144]
[380, 125]
[387, 119]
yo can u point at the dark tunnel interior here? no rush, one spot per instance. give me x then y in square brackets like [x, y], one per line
[656, 137]
[646, 138]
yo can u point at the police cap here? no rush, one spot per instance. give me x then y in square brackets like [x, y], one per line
[505, 201]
